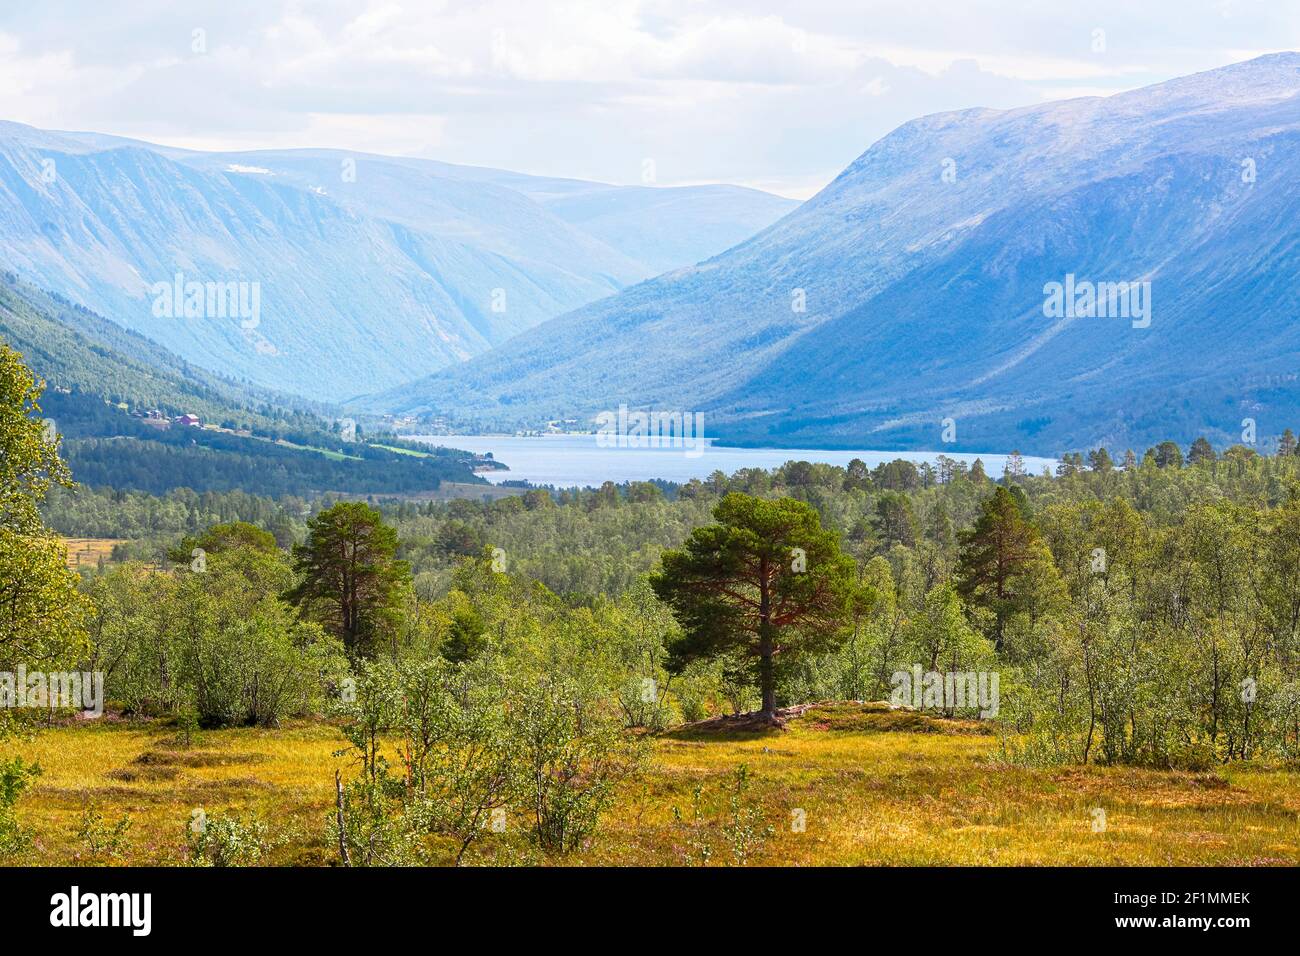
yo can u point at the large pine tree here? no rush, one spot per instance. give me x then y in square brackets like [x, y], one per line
[766, 582]
[351, 580]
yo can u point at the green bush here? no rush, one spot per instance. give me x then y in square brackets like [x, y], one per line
[16, 776]
[224, 840]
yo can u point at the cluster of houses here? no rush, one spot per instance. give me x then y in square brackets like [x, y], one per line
[559, 426]
[408, 423]
[157, 419]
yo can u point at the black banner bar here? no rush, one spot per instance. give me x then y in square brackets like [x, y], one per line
[335, 906]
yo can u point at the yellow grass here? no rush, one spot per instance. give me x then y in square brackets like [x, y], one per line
[86, 552]
[875, 789]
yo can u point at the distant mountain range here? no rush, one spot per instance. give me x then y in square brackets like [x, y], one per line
[913, 294]
[369, 271]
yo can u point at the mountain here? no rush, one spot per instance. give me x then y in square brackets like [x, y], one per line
[364, 271]
[105, 386]
[924, 270]
[663, 229]
[75, 350]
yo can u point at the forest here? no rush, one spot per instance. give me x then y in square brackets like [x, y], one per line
[521, 655]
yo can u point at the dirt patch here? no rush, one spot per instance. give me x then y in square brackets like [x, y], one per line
[737, 725]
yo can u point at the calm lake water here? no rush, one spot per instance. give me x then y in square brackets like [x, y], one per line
[569, 461]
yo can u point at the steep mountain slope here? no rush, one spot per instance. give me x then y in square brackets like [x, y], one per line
[101, 379]
[75, 350]
[924, 292]
[369, 271]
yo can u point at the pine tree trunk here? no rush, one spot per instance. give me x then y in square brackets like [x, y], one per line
[766, 677]
[767, 680]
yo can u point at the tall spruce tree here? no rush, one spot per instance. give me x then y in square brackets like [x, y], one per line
[999, 557]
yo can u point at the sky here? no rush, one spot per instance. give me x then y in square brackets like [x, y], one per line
[775, 95]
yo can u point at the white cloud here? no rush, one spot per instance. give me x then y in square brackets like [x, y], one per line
[751, 91]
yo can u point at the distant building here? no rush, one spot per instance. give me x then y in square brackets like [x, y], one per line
[191, 420]
[155, 418]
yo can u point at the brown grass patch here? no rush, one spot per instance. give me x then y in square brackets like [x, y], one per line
[196, 758]
[147, 772]
[878, 716]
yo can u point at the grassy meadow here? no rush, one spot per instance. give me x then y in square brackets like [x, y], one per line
[876, 788]
[87, 552]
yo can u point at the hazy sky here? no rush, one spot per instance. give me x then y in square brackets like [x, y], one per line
[779, 95]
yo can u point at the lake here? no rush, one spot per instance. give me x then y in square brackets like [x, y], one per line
[569, 461]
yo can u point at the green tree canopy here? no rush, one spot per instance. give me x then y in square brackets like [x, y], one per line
[1001, 557]
[1168, 454]
[766, 582]
[29, 453]
[224, 537]
[894, 520]
[1200, 451]
[351, 578]
[41, 612]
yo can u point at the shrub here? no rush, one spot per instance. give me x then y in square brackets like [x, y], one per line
[16, 775]
[571, 750]
[103, 842]
[224, 840]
